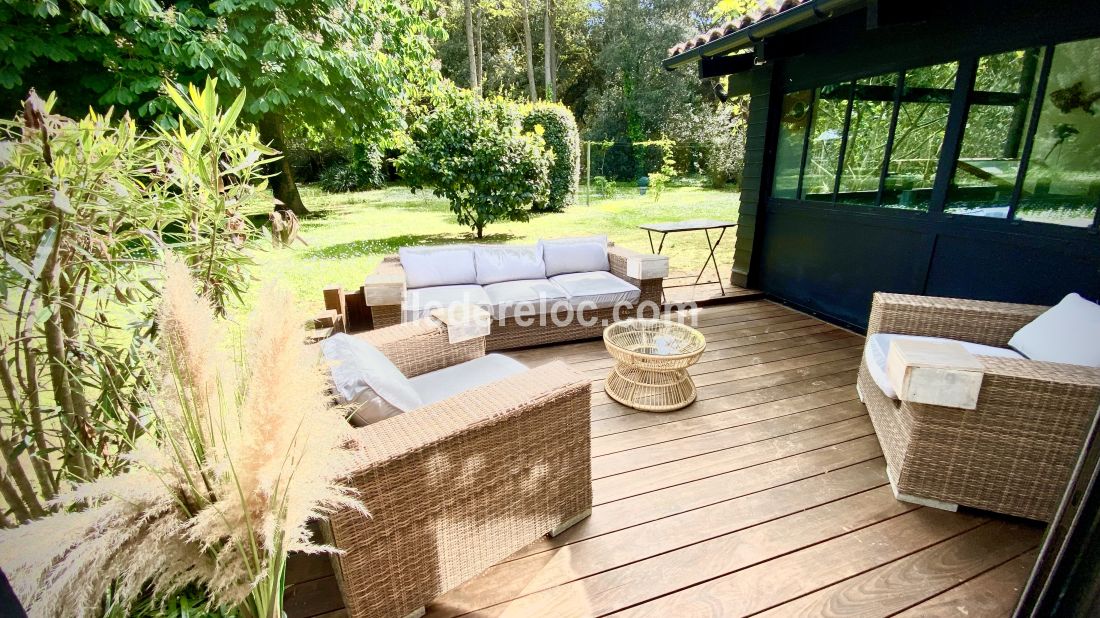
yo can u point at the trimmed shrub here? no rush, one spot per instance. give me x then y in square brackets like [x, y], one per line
[559, 130]
[475, 153]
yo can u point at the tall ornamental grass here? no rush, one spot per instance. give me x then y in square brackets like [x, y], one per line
[246, 451]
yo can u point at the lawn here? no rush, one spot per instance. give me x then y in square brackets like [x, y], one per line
[348, 233]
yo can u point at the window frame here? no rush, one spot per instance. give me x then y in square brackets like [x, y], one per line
[961, 99]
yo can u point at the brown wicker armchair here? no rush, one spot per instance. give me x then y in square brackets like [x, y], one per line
[1014, 453]
[457, 486]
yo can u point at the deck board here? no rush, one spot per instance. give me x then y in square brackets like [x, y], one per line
[768, 494]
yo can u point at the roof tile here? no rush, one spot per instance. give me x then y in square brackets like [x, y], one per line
[766, 9]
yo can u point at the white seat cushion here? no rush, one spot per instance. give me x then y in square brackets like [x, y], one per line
[599, 288]
[434, 266]
[362, 375]
[1068, 332]
[420, 302]
[575, 255]
[450, 381]
[878, 347]
[508, 263]
[529, 296]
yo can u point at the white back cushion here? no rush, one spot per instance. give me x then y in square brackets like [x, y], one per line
[363, 375]
[508, 263]
[575, 255]
[1068, 332]
[430, 266]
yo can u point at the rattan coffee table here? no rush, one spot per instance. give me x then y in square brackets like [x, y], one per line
[651, 360]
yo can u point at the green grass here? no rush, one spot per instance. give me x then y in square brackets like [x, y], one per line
[348, 233]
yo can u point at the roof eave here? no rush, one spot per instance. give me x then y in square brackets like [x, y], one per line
[752, 34]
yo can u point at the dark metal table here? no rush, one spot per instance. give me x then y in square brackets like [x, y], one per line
[693, 225]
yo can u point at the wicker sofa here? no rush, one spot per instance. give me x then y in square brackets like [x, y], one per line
[1014, 453]
[387, 293]
[457, 486]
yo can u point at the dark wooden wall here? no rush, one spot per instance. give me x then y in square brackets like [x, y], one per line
[829, 260]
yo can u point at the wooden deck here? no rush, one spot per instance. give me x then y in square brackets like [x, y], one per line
[680, 287]
[767, 496]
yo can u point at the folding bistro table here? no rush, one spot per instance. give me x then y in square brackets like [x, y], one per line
[693, 225]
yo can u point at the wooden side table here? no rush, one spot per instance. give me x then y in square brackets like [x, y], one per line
[651, 362]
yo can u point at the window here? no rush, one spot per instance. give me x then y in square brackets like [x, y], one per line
[1028, 144]
[925, 103]
[1062, 181]
[868, 133]
[996, 125]
[792, 138]
[826, 136]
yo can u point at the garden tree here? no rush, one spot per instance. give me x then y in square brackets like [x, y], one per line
[304, 62]
[507, 42]
[528, 50]
[473, 152]
[729, 9]
[548, 59]
[638, 98]
[87, 206]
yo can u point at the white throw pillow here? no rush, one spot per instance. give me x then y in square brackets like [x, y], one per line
[432, 266]
[362, 375]
[508, 263]
[1068, 332]
[575, 255]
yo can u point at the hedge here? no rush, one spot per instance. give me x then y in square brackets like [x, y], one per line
[559, 130]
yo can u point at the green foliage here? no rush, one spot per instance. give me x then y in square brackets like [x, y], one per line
[604, 187]
[361, 169]
[559, 130]
[728, 9]
[474, 152]
[87, 205]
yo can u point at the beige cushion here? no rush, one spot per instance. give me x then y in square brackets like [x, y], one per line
[450, 381]
[363, 376]
[528, 296]
[420, 302]
[508, 263]
[432, 266]
[575, 255]
[597, 289]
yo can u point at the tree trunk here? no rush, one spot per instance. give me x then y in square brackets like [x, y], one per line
[528, 48]
[548, 54]
[282, 179]
[480, 49]
[470, 50]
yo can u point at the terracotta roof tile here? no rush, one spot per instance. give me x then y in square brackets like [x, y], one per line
[767, 8]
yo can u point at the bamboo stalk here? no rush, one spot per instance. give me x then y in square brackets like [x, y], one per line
[11, 496]
[17, 474]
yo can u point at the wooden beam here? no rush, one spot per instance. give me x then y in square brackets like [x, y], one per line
[718, 66]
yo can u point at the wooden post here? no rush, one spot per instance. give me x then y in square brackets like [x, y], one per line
[334, 299]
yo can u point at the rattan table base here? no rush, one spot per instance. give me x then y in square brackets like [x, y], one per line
[650, 390]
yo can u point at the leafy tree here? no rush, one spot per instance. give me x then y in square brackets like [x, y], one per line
[304, 62]
[87, 204]
[474, 152]
[560, 133]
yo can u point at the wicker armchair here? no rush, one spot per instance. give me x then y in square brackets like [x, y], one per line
[457, 486]
[1014, 453]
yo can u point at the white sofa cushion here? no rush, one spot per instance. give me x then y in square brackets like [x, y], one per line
[508, 263]
[432, 266]
[1068, 332]
[575, 255]
[878, 348]
[362, 375]
[600, 289]
[449, 381]
[420, 302]
[529, 296]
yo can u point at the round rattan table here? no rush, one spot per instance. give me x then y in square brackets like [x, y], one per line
[651, 360]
